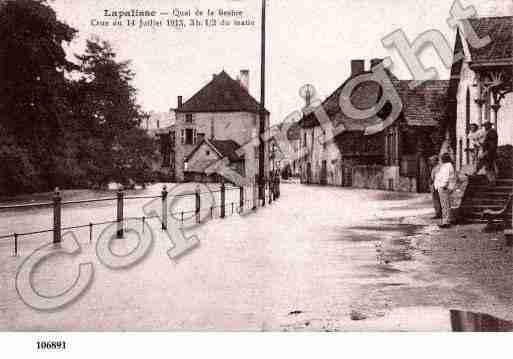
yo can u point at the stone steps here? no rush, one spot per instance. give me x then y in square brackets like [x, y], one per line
[480, 197]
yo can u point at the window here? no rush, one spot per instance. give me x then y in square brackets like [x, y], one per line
[189, 136]
[461, 154]
[189, 118]
[467, 112]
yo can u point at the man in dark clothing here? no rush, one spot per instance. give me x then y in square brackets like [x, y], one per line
[489, 154]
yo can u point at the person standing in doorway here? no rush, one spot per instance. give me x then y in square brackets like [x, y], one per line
[445, 180]
[435, 167]
[488, 157]
[476, 137]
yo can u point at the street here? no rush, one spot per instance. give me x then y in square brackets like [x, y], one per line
[320, 258]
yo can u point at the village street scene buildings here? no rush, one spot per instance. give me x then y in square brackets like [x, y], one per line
[384, 202]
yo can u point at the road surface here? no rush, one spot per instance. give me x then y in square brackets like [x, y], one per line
[307, 262]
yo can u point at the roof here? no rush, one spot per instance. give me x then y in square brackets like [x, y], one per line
[223, 148]
[500, 30]
[222, 94]
[425, 105]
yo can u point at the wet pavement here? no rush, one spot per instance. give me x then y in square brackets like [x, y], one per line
[321, 258]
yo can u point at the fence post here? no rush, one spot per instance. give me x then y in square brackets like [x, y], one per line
[223, 199]
[120, 197]
[278, 187]
[164, 208]
[57, 204]
[198, 204]
[271, 190]
[241, 199]
[15, 244]
[262, 184]
[255, 181]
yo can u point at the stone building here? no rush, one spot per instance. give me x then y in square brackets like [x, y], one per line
[484, 94]
[485, 89]
[393, 157]
[223, 110]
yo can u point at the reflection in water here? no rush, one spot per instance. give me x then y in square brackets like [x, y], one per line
[476, 322]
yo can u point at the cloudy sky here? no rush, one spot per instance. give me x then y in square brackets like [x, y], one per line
[309, 41]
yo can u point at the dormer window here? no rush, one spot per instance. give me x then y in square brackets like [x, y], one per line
[189, 118]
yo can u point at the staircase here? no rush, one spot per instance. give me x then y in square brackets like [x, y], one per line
[480, 196]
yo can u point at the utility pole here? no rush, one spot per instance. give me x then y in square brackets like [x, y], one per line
[261, 161]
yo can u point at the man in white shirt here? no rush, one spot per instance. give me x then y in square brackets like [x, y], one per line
[445, 180]
[435, 167]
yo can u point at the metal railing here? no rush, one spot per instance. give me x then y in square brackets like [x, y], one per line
[272, 189]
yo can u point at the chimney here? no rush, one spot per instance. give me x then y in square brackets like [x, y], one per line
[179, 102]
[375, 62]
[244, 79]
[357, 67]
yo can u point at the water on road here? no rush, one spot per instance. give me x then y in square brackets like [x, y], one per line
[304, 263]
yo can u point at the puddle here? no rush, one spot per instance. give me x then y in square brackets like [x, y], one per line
[462, 321]
[433, 319]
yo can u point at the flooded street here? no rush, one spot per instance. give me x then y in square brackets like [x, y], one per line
[311, 261]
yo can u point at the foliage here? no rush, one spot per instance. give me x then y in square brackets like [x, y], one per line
[56, 131]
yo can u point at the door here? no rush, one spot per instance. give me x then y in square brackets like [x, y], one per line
[424, 176]
[324, 173]
[347, 176]
[308, 172]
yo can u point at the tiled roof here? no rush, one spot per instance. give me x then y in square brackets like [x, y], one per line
[222, 94]
[500, 30]
[426, 105]
[227, 148]
[224, 148]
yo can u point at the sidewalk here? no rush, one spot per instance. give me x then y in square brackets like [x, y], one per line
[459, 268]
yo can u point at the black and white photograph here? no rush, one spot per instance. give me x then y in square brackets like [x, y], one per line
[255, 166]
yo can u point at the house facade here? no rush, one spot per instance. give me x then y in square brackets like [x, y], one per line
[392, 158]
[223, 110]
[485, 88]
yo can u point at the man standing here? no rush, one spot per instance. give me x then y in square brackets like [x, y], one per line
[445, 181]
[489, 153]
[435, 167]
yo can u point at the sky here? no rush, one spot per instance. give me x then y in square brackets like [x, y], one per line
[308, 42]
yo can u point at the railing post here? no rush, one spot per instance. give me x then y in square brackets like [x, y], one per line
[241, 199]
[270, 190]
[120, 197]
[262, 183]
[223, 199]
[278, 187]
[15, 244]
[57, 204]
[255, 194]
[198, 204]
[164, 208]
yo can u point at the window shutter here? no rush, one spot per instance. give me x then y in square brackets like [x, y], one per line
[194, 134]
[182, 134]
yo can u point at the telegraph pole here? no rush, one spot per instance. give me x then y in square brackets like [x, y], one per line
[261, 162]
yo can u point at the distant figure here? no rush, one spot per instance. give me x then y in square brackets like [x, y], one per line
[488, 156]
[445, 180]
[476, 137]
[435, 167]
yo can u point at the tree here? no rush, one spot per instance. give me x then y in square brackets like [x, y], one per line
[33, 104]
[105, 106]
